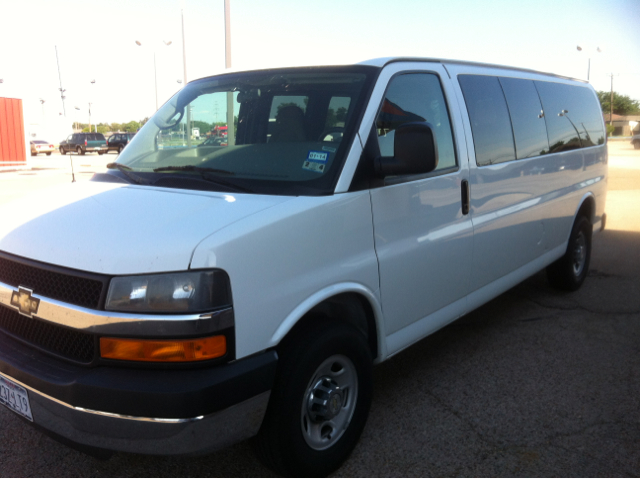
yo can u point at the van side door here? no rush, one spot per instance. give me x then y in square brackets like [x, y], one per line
[423, 238]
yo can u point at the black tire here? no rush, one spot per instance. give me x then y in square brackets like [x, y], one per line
[100, 153]
[48, 153]
[570, 271]
[281, 443]
[80, 151]
[636, 145]
[62, 151]
[120, 148]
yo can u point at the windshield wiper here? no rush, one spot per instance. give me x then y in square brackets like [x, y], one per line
[206, 174]
[126, 171]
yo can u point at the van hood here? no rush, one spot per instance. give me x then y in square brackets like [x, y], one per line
[120, 229]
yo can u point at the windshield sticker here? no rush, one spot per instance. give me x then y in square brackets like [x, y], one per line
[316, 161]
[328, 148]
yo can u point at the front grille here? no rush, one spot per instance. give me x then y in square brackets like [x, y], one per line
[72, 287]
[67, 343]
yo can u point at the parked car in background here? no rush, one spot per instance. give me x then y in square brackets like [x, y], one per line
[214, 141]
[118, 141]
[635, 141]
[83, 143]
[41, 146]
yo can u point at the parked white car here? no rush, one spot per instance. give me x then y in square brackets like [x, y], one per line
[191, 297]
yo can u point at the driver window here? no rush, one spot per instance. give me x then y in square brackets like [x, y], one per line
[415, 97]
[204, 122]
[336, 118]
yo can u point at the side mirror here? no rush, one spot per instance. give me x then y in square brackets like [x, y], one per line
[415, 151]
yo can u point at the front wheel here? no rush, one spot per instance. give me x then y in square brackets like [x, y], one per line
[320, 402]
[636, 145]
[62, 151]
[570, 271]
[79, 151]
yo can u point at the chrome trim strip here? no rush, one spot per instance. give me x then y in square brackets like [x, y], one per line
[109, 322]
[103, 413]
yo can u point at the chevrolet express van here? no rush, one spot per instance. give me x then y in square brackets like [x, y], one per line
[192, 296]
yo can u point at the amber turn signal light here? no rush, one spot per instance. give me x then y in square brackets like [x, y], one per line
[168, 351]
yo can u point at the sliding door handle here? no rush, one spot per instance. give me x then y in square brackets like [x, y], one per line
[465, 197]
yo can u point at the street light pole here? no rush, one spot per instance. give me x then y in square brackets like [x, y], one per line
[231, 132]
[60, 78]
[184, 66]
[155, 70]
[598, 49]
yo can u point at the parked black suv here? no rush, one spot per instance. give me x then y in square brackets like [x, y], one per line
[82, 143]
[118, 141]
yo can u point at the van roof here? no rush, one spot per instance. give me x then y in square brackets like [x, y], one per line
[381, 62]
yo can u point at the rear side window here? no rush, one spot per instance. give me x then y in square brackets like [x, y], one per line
[490, 123]
[416, 97]
[527, 117]
[572, 115]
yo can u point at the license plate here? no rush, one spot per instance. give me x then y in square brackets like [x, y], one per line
[15, 397]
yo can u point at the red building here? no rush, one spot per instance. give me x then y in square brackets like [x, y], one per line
[12, 135]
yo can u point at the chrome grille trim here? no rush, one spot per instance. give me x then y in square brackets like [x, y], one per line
[109, 322]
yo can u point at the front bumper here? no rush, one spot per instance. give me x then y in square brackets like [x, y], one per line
[148, 411]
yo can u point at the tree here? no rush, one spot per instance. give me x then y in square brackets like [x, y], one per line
[622, 104]
[131, 127]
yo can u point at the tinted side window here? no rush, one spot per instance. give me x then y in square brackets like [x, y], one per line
[572, 115]
[416, 97]
[490, 123]
[527, 120]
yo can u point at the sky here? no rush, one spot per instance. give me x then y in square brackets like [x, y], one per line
[96, 41]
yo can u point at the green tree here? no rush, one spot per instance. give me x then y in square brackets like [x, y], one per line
[131, 127]
[622, 104]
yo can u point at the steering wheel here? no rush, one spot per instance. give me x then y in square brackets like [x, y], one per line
[328, 131]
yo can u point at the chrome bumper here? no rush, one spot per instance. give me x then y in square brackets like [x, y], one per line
[145, 435]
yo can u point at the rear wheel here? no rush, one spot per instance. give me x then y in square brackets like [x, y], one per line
[48, 153]
[120, 148]
[570, 271]
[320, 402]
[80, 151]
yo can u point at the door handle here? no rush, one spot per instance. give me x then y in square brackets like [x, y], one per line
[465, 197]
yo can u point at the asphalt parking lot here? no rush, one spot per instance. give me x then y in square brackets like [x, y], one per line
[534, 383]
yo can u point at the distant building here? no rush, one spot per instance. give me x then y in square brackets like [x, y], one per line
[624, 125]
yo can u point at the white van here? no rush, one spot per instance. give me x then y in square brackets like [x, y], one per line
[195, 295]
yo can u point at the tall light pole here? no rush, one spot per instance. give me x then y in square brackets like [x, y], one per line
[93, 82]
[62, 90]
[155, 71]
[231, 132]
[184, 66]
[598, 49]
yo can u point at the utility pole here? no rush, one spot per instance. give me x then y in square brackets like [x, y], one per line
[231, 133]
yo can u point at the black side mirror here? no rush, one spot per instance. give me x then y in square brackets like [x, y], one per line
[415, 151]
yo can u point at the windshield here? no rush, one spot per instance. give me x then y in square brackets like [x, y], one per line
[282, 132]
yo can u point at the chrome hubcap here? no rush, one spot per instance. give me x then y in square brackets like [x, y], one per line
[579, 254]
[329, 402]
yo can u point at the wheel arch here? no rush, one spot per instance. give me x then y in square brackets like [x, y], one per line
[352, 303]
[586, 207]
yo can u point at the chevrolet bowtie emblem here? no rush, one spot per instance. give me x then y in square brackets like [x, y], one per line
[26, 304]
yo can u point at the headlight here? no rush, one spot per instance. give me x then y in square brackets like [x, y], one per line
[188, 292]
